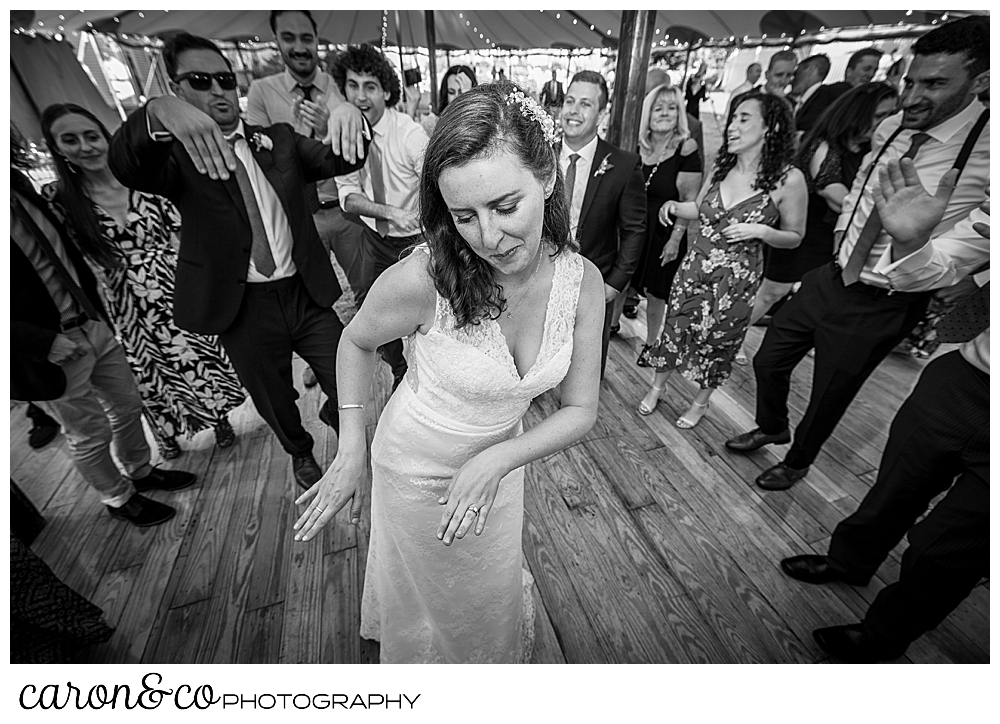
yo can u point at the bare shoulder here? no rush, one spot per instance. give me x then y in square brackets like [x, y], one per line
[593, 281]
[689, 146]
[407, 282]
[791, 182]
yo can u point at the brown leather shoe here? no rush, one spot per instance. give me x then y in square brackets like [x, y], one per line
[780, 477]
[817, 569]
[143, 512]
[756, 438]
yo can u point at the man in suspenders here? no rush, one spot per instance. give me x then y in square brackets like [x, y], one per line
[849, 309]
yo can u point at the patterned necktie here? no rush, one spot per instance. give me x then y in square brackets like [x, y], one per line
[374, 169]
[873, 226]
[968, 320]
[312, 198]
[260, 248]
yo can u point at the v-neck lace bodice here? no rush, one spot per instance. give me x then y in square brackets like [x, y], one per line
[469, 374]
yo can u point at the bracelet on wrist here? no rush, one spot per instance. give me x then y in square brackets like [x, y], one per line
[351, 407]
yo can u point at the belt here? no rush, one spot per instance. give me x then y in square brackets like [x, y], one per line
[872, 290]
[331, 204]
[73, 323]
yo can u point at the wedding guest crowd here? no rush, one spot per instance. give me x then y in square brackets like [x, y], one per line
[503, 248]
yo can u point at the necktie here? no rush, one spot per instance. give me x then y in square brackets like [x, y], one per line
[312, 198]
[374, 169]
[61, 271]
[260, 248]
[968, 320]
[571, 178]
[873, 226]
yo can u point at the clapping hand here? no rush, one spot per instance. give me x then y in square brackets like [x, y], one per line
[325, 499]
[198, 133]
[469, 498]
[315, 115]
[905, 208]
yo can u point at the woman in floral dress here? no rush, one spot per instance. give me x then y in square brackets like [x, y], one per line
[186, 380]
[754, 197]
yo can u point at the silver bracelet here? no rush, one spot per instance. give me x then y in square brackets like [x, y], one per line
[350, 407]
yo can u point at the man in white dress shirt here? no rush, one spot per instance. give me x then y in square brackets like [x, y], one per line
[849, 310]
[385, 193]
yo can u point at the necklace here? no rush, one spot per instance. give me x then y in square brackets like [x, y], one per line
[662, 158]
[527, 285]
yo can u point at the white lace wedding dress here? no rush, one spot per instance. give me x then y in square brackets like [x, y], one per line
[467, 602]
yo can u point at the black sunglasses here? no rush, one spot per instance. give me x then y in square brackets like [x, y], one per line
[203, 81]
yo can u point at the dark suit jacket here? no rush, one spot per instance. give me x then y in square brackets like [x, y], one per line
[612, 225]
[216, 236]
[549, 98]
[818, 102]
[34, 316]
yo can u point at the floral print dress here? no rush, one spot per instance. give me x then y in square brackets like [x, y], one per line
[185, 380]
[710, 304]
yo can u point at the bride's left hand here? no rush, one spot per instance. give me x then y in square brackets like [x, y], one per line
[474, 487]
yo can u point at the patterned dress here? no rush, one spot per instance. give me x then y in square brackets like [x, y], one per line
[185, 380]
[710, 304]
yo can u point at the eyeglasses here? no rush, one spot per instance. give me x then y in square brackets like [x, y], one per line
[203, 81]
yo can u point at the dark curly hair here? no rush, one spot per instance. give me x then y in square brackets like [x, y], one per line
[72, 195]
[843, 120]
[779, 141]
[366, 59]
[479, 124]
[453, 70]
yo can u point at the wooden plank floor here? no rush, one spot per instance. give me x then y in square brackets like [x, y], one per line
[647, 543]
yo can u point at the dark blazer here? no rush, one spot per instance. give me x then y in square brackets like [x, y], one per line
[818, 102]
[548, 98]
[34, 316]
[216, 236]
[612, 226]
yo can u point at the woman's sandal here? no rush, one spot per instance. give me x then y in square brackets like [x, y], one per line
[692, 417]
[224, 434]
[644, 407]
[741, 359]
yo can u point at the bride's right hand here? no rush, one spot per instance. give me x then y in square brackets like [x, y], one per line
[338, 485]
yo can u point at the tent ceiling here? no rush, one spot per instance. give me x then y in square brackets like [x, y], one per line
[470, 29]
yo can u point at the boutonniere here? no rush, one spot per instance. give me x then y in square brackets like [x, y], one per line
[604, 167]
[262, 141]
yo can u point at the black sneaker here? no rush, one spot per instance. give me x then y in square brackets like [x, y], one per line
[159, 479]
[143, 512]
[306, 470]
[41, 435]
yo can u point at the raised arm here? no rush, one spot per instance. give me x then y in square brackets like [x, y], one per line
[400, 302]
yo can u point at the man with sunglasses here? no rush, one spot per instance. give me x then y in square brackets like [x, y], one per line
[251, 267]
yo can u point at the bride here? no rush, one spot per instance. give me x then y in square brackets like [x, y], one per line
[499, 307]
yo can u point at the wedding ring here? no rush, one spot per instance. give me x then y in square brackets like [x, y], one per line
[474, 510]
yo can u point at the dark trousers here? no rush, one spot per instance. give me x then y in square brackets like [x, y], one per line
[852, 328]
[378, 253]
[38, 416]
[276, 319]
[609, 310]
[940, 433]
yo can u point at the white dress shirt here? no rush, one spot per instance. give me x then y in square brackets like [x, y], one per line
[402, 142]
[583, 175]
[272, 213]
[934, 158]
[270, 100]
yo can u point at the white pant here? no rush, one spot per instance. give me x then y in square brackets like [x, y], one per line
[101, 408]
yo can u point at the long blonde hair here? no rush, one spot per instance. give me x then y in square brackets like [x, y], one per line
[674, 93]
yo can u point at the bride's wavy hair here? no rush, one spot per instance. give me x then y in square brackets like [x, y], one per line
[481, 123]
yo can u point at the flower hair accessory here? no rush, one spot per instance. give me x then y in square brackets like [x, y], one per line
[604, 167]
[261, 140]
[534, 111]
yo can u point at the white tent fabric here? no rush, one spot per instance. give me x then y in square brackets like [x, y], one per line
[482, 29]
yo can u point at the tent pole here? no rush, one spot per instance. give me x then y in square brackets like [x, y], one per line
[432, 52]
[630, 77]
[399, 46]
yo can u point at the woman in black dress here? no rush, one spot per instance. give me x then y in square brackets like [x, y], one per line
[830, 156]
[695, 92]
[672, 171]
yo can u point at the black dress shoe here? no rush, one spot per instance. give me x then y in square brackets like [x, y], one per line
[306, 470]
[851, 644]
[615, 329]
[329, 415]
[780, 477]
[159, 479]
[817, 569]
[143, 512]
[631, 311]
[756, 438]
[41, 435]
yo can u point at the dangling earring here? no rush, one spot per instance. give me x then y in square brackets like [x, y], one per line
[70, 166]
